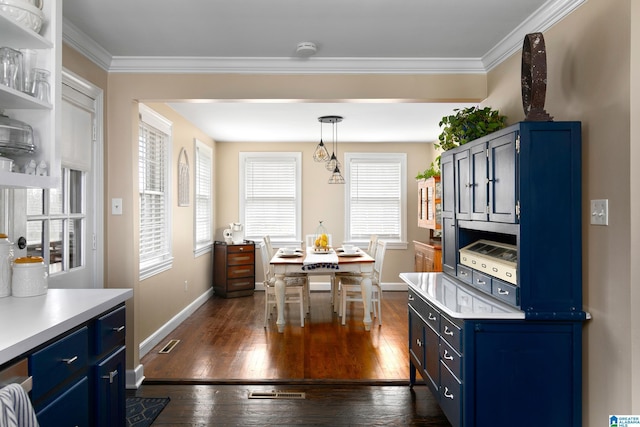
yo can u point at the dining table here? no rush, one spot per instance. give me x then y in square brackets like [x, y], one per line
[322, 263]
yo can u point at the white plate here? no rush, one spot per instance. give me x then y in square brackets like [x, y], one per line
[349, 255]
[295, 255]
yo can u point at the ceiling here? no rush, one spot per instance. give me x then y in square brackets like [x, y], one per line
[355, 36]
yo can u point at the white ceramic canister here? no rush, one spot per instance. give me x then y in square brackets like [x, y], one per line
[6, 259]
[29, 277]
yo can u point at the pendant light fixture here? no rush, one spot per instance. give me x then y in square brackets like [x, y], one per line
[333, 165]
[321, 154]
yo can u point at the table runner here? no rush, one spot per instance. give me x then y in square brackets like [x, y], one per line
[314, 261]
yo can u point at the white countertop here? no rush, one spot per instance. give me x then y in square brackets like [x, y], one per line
[26, 323]
[458, 300]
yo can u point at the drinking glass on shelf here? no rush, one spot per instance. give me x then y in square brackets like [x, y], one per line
[11, 68]
[29, 62]
[40, 86]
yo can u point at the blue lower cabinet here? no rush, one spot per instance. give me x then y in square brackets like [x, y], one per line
[109, 379]
[71, 408]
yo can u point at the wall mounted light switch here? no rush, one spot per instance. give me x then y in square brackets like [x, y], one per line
[600, 212]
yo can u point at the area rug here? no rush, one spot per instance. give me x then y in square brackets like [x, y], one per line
[141, 411]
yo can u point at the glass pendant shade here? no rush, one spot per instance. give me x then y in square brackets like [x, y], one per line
[336, 177]
[321, 154]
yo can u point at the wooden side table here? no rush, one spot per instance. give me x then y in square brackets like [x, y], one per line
[234, 271]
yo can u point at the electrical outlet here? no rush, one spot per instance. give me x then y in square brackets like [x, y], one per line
[600, 212]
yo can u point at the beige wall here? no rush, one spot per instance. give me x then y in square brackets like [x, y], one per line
[591, 55]
[322, 201]
[588, 80]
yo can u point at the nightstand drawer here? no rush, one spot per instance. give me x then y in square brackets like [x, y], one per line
[241, 258]
[241, 271]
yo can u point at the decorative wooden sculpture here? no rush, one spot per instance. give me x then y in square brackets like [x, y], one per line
[534, 78]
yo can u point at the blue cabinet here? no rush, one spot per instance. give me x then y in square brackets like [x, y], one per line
[506, 352]
[79, 377]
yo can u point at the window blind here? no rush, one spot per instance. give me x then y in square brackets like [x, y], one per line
[270, 196]
[375, 197]
[203, 194]
[155, 199]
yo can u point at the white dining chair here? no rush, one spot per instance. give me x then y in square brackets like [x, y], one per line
[335, 291]
[351, 291]
[295, 288]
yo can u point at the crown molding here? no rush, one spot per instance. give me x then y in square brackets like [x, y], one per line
[544, 18]
[212, 65]
[541, 20]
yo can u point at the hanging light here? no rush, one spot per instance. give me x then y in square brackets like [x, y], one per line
[333, 160]
[321, 154]
[333, 164]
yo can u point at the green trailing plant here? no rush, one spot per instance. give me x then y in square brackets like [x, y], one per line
[432, 170]
[468, 124]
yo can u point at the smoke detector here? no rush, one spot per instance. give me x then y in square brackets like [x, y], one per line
[306, 49]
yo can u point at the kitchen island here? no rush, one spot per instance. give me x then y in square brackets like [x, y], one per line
[73, 343]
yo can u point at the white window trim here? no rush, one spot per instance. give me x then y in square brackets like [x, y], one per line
[401, 243]
[204, 247]
[297, 156]
[156, 266]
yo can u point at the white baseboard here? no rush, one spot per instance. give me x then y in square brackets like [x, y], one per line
[135, 377]
[148, 344]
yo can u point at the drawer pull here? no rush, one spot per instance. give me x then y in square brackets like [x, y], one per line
[448, 331]
[481, 282]
[111, 376]
[463, 273]
[502, 292]
[446, 355]
[418, 342]
[411, 298]
[243, 258]
[120, 329]
[432, 317]
[447, 393]
[70, 361]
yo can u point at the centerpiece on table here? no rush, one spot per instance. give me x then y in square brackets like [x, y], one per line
[321, 242]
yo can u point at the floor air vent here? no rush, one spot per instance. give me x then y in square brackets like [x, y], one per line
[276, 395]
[170, 346]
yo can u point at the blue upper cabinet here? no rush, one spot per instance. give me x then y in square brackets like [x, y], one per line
[521, 187]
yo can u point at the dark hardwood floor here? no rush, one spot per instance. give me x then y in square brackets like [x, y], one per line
[225, 340]
[350, 376]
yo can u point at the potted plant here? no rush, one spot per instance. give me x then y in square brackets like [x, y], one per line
[465, 125]
[468, 124]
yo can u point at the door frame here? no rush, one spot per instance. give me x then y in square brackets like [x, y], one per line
[95, 238]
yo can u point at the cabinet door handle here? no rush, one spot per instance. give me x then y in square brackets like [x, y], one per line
[446, 355]
[432, 317]
[111, 376]
[448, 331]
[411, 298]
[120, 329]
[502, 292]
[447, 393]
[71, 360]
[418, 342]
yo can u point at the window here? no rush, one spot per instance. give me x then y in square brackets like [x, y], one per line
[56, 222]
[203, 198]
[375, 196]
[270, 195]
[154, 148]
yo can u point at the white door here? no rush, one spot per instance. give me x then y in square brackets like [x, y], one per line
[64, 224]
